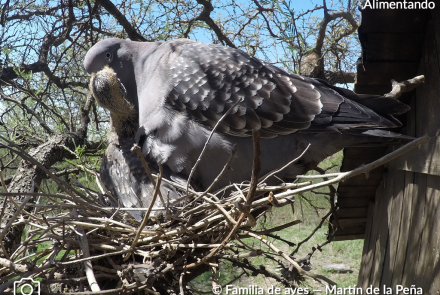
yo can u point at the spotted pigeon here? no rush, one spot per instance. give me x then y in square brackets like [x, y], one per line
[176, 92]
[121, 170]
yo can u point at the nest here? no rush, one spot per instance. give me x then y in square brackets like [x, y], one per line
[76, 244]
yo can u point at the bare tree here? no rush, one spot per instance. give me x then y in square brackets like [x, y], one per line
[47, 112]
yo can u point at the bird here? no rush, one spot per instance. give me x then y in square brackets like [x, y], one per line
[121, 170]
[179, 90]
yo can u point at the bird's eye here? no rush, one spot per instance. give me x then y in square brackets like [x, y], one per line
[108, 56]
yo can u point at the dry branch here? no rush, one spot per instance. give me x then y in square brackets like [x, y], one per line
[405, 86]
[338, 177]
[187, 243]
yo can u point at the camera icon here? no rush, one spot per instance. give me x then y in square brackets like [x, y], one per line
[26, 286]
[217, 289]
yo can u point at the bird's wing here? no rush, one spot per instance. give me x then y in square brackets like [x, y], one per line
[208, 80]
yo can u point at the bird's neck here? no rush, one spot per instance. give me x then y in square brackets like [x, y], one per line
[122, 126]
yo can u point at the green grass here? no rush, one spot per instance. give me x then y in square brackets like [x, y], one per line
[309, 208]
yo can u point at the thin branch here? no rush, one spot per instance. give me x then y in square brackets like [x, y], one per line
[323, 26]
[205, 16]
[88, 268]
[290, 260]
[256, 167]
[147, 214]
[285, 166]
[405, 86]
[323, 219]
[132, 32]
[139, 154]
[193, 169]
[361, 170]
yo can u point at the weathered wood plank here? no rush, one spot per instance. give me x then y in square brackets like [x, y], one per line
[360, 192]
[430, 249]
[402, 243]
[348, 222]
[393, 46]
[424, 159]
[380, 73]
[357, 162]
[435, 286]
[381, 231]
[407, 21]
[427, 105]
[411, 117]
[352, 230]
[352, 212]
[403, 236]
[412, 267]
[361, 180]
[353, 202]
[367, 252]
[394, 211]
[367, 88]
[368, 154]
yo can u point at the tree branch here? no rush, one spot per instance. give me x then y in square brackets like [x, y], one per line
[405, 86]
[323, 26]
[205, 16]
[132, 32]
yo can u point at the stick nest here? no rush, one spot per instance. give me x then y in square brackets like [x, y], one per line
[74, 243]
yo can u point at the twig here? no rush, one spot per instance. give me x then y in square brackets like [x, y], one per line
[193, 169]
[245, 210]
[293, 262]
[253, 253]
[14, 217]
[181, 283]
[405, 86]
[138, 152]
[215, 280]
[17, 150]
[282, 168]
[19, 268]
[225, 167]
[147, 214]
[88, 269]
[323, 219]
[263, 271]
[277, 228]
[333, 201]
[361, 170]
[254, 180]
[230, 219]
[256, 167]
[318, 176]
[3, 212]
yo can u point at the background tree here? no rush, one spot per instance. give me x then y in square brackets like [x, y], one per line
[47, 111]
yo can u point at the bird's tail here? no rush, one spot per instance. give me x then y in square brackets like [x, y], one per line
[380, 104]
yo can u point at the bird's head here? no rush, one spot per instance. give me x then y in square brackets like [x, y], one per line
[111, 94]
[111, 52]
[116, 54]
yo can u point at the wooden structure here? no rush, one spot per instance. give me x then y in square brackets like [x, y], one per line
[392, 42]
[402, 229]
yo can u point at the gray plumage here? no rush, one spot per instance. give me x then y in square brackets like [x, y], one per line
[181, 88]
[121, 170]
